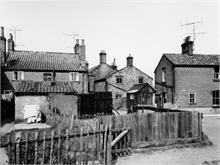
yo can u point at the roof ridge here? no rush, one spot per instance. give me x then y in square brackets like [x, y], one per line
[43, 51]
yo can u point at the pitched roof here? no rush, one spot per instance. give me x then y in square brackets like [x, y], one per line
[36, 60]
[137, 87]
[101, 71]
[40, 87]
[195, 59]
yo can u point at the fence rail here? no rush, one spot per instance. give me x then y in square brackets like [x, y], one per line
[105, 139]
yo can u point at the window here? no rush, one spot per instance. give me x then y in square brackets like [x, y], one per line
[141, 80]
[47, 76]
[73, 76]
[192, 98]
[119, 80]
[18, 75]
[216, 73]
[215, 98]
[118, 95]
[163, 74]
[132, 96]
[164, 97]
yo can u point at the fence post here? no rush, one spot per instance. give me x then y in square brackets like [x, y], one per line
[81, 146]
[9, 149]
[17, 143]
[67, 144]
[105, 145]
[35, 147]
[109, 151]
[59, 146]
[51, 147]
[26, 148]
[44, 145]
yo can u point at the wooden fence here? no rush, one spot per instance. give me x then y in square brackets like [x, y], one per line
[111, 136]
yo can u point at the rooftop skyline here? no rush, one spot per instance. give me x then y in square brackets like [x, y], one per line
[144, 29]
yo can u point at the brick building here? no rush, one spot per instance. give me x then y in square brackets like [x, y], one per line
[188, 80]
[42, 73]
[120, 81]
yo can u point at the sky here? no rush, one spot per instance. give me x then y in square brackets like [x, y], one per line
[143, 28]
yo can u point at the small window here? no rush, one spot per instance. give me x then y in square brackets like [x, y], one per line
[131, 96]
[192, 98]
[18, 75]
[118, 95]
[141, 80]
[119, 80]
[47, 76]
[164, 97]
[15, 75]
[163, 74]
[216, 73]
[215, 98]
[73, 76]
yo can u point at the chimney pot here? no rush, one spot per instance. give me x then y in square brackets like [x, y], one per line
[82, 42]
[10, 36]
[187, 46]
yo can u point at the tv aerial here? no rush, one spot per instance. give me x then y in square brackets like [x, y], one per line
[73, 35]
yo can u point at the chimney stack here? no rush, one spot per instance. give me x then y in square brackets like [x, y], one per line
[114, 67]
[102, 57]
[187, 46]
[129, 61]
[11, 44]
[77, 47]
[2, 46]
[82, 50]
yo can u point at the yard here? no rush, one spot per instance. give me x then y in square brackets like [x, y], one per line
[185, 155]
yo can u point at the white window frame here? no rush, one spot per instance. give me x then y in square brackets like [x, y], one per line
[194, 98]
[74, 76]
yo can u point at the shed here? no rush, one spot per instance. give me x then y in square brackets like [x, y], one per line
[140, 94]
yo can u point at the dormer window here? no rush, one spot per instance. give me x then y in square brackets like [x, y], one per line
[163, 74]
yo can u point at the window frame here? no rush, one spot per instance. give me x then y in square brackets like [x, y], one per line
[74, 76]
[216, 99]
[163, 74]
[119, 78]
[194, 98]
[117, 95]
[47, 75]
[140, 78]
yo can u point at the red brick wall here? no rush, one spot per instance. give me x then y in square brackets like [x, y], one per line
[195, 80]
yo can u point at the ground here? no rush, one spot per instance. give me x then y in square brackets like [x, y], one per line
[186, 155]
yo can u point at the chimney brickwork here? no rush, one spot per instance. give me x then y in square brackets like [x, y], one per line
[2, 46]
[129, 61]
[11, 44]
[187, 46]
[102, 57]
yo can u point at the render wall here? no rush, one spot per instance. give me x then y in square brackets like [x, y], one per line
[66, 104]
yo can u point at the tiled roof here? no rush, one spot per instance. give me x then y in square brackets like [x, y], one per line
[36, 60]
[101, 71]
[31, 87]
[195, 59]
[136, 87]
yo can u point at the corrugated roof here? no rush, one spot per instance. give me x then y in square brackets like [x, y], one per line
[37, 60]
[40, 87]
[195, 59]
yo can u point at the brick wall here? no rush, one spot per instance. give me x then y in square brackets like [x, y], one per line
[66, 104]
[194, 80]
[167, 86]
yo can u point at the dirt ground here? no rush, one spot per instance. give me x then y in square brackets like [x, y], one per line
[208, 155]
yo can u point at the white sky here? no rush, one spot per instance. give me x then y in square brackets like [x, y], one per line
[144, 28]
